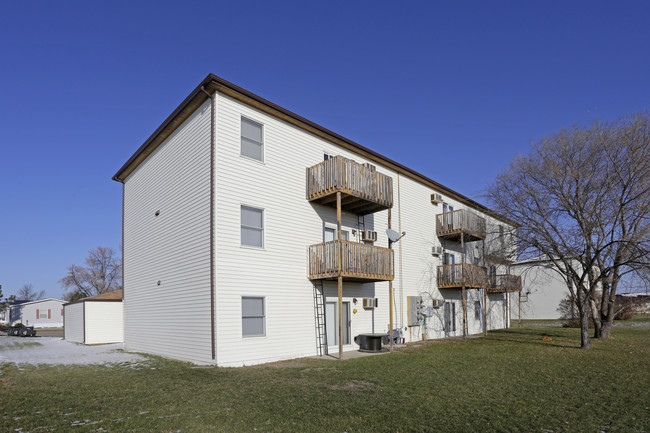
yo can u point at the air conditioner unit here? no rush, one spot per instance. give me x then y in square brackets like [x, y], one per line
[436, 251]
[437, 303]
[368, 303]
[436, 198]
[369, 235]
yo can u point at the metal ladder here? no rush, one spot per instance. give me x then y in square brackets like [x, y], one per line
[319, 316]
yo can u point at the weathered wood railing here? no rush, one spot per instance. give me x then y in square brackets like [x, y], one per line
[504, 283]
[358, 261]
[339, 174]
[462, 274]
[452, 223]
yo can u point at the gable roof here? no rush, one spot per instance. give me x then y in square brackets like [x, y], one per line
[35, 301]
[112, 296]
[213, 83]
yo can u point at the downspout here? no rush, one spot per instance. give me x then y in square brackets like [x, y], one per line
[212, 141]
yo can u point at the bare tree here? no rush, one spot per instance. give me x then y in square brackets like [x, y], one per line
[102, 273]
[582, 200]
[28, 293]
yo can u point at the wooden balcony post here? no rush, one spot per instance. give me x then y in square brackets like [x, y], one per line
[390, 293]
[462, 276]
[340, 267]
[487, 283]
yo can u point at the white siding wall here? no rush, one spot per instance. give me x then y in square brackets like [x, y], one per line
[173, 318]
[28, 315]
[279, 271]
[547, 288]
[104, 322]
[74, 323]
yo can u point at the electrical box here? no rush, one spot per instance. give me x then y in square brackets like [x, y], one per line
[369, 235]
[414, 310]
[436, 198]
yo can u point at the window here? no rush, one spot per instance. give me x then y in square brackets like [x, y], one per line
[252, 139]
[477, 310]
[252, 317]
[329, 234]
[43, 314]
[252, 227]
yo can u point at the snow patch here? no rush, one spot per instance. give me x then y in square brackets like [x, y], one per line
[55, 351]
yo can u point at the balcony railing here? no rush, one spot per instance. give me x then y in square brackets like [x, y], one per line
[504, 283]
[359, 262]
[450, 225]
[363, 189]
[462, 275]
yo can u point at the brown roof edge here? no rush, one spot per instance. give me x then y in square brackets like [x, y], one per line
[213, 83]
[112, 296]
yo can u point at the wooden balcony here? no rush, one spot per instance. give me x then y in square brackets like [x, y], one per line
[450, 225]
[359, 262]
[363, 189]
[504, 283]
[462, 275]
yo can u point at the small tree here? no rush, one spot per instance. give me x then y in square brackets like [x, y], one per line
[102, 273]
[28, 293]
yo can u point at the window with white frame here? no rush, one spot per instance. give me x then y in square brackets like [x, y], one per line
[252, 139]
[330, 234]
[253, 316]
[252, 227]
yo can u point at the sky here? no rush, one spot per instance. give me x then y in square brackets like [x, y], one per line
[453, 90]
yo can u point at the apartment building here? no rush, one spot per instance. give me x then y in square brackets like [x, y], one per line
[252, 235]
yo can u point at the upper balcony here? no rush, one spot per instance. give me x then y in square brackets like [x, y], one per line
[450, 225]
[363, 189]
[462, 275]
[504, 283]
[359, 262]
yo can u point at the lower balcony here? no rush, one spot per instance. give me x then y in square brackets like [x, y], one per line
[359, 262]
[462, 275]
[504, 284]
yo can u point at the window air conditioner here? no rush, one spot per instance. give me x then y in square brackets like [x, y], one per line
[368, 303]
[436, 198]
[369, 235]
[436, 251]
[437, 303]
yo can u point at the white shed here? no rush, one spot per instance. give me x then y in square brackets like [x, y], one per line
[95, 320]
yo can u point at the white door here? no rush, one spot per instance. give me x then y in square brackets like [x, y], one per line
[332, 323]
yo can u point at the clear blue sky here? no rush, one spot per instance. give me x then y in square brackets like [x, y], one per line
[451, 89]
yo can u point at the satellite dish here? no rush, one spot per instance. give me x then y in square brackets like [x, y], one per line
[392, 235]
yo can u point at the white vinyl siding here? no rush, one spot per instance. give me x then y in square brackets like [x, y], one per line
[104, 322]
[171, 318]
[252, 227]
[253, 317]
[252, 139]
[73, 327]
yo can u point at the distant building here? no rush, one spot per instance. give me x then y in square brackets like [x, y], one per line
[42, 313]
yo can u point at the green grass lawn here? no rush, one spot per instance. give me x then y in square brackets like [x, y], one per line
[510, 381]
